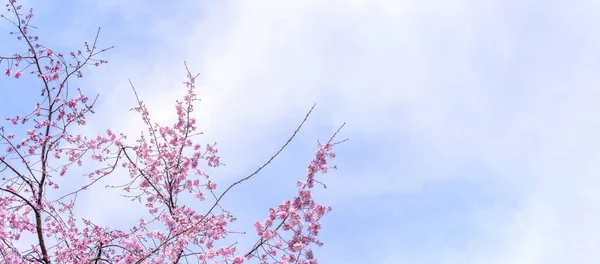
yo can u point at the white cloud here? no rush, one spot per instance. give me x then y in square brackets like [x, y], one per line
[509, 84]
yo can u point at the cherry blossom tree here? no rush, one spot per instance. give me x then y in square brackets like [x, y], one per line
[42, 146]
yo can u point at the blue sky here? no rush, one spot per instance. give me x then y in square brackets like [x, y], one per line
[473, 124]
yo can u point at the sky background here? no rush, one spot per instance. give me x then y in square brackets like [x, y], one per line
[473, 125]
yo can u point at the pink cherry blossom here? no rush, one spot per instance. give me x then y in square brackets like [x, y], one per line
[167, 170]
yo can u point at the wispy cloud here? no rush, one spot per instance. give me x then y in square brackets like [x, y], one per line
[473, 124]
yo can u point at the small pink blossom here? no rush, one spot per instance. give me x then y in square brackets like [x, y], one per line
[211, 185]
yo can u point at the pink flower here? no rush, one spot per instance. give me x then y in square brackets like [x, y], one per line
[18, 74]
[211, 185]
[8, 72]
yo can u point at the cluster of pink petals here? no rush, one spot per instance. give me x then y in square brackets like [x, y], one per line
[298, 217]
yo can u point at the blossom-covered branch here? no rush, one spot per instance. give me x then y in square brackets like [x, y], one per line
[165, 166]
